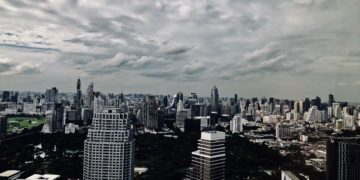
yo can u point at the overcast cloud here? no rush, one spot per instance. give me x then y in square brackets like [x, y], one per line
[283, 48]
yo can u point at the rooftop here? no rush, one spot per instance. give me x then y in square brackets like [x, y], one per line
[212, 135]
[9, 173]
[43, 177]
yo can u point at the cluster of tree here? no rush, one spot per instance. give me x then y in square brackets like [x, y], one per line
[63, 153]
[166, 157]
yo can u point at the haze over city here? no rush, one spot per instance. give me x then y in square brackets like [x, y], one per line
[281, 48]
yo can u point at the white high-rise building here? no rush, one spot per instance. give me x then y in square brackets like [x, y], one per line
[208, 162]
[236, 124]
[313, 115]
[109, 147]
[301, 106]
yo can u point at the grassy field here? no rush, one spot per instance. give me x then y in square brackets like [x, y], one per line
[24, 122]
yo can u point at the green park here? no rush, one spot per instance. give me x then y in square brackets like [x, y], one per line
[19, 123]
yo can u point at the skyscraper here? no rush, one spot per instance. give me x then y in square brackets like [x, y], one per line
[214, 99]
[77, 100]
[56, 119]
[51, 95]
[90, 96]
[343, 158]
[208, 162]
[331, 100]
[98, 103]
[6, 96]
[109, 147]
[149, 112]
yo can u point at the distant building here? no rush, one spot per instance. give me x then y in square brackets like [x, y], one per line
[343, 158]
[109, 148]
[149, 113]
[29, 108]
[208, 162]
[89, 103]
[87, 115]
[283, 131]
[204, 122]
[56, 119]
[236, 125]
[6, 96]
[70, 128]
[313, 115]
[214, 99]
[51, 95]
[77, 100]
[331, 99]
[98, 103]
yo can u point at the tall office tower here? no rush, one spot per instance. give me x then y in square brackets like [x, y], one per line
[3, 125]
[301, 106]
[343, 158]
[306, 104]
[90, 96]
[149, 112]
[178, 96]
[51, 95]
[181, 116]
[235, 98]
[214, 99]
[331, 100]
[56, 120]
[208, 162]
[296, 107]
[14, 96]
[165, 101]
[77, 100]
[6, 96]
[98, 103]
[109, 147]
[236, 125]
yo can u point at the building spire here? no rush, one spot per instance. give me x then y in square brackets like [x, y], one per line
[78, 85]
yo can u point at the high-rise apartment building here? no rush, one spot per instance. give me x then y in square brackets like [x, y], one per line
[109, 147]
[283, 131]
[208, 162]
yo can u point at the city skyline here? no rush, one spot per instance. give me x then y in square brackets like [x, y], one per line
[299, 48]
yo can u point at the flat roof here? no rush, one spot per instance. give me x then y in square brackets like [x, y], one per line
[43, 177]
[9, 173]
[212, 135]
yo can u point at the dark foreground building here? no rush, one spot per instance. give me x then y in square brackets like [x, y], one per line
[343, 158]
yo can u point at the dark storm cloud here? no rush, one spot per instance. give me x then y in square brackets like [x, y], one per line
[183, 40]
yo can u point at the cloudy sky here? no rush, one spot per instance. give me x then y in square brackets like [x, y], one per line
[281, 48]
